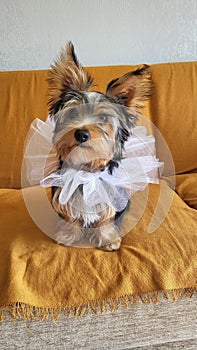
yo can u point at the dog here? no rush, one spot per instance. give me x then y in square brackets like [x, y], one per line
[90, 131]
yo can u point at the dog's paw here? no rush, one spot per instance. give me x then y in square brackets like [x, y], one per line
[115, 245]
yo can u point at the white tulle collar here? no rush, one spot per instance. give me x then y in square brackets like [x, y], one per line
[138, 167]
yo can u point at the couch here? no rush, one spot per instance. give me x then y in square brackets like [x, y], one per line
[151, 302]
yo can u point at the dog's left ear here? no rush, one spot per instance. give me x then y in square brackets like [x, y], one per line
[66, 75]
[132, 88]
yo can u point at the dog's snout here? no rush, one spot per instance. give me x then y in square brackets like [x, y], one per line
[82, 135]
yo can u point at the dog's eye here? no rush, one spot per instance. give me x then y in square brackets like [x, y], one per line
[102, 118]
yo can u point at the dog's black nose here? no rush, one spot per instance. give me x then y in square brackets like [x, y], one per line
[82, 135]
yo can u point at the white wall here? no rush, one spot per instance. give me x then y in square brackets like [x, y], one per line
[105, 32]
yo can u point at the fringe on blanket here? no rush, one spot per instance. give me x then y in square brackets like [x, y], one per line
[20, 310]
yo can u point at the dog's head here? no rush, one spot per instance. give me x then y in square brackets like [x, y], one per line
[91, 127]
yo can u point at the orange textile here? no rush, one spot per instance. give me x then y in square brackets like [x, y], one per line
[186, 187]
[39, 277]
[35, 271]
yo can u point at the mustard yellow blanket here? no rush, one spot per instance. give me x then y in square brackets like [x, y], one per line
[39, 278]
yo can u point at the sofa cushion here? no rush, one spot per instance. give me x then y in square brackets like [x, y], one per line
[35, 271]
[23, 95]
[186, 187]
[173, 110]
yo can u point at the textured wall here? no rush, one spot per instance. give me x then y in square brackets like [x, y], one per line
[104, 31]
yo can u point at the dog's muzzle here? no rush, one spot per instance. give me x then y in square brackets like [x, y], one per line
[82, 135]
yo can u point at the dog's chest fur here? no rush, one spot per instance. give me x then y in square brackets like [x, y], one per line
[88, 215]
[79, 210]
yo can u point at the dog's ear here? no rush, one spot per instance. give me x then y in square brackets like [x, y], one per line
[132, 88]
[66, 75]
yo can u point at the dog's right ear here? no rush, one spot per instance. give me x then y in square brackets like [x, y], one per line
[132, 88]
[66, 75]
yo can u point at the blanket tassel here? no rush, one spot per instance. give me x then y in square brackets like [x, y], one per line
[23, 311]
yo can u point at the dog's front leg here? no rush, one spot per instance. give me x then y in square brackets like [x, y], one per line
[113, 236]
[106, 237]
[67, 233]
[115, 228]
[110, 234]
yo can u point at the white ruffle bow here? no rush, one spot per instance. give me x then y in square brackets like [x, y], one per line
[138, 167]
[101, 187]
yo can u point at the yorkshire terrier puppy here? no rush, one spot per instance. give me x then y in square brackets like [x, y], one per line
[89, 135]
